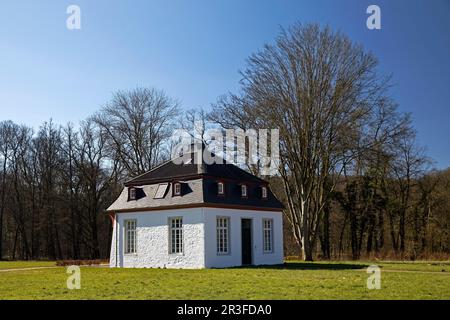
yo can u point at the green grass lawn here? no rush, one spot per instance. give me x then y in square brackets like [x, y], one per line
[295, 280]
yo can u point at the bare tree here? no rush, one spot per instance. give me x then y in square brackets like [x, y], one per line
[137, 124]
[408, 165]
[97, 176]
[19, 204]
[322, 92]
[7, 132]
[47, 145]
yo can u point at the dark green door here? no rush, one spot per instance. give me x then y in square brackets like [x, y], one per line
[246, 233]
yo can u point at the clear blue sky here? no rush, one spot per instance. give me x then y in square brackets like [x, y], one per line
[194, 50]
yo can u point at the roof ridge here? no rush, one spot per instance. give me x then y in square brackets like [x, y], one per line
[248, 173]
[151, 170]
[168, 169]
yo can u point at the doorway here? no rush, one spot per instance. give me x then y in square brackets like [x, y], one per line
[246, 236]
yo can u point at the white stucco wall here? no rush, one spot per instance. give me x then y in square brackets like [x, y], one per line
[153, 240]
[199, 239]
[234, 258]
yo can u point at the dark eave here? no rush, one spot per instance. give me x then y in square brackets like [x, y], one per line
[197, 205]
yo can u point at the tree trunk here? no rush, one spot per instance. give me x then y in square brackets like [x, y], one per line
[15, 243]
[307, 252]
[401, 231]
[392, 233]
[2, 205]
[341, 236]
[354, 236]
[325, 235]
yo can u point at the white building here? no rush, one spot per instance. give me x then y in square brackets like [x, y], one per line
[196, 216]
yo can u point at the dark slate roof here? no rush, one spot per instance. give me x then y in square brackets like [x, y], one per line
[199, 187]
[233, 195]
[193, 194]
[196, 192]
[166, 172]
[172, 170]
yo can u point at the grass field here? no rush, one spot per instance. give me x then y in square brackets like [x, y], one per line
[294, 280]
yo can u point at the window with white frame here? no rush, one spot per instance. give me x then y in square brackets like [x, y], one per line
[223, 232]
[244, 191]
[220, 188]
[176, 235]
[264, 192]
[130, 236]
[177, 189]
[267, 235]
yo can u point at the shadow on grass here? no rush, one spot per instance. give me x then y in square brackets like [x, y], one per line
[310, 266]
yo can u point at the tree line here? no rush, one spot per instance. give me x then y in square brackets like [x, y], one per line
[352, 177]
[56, 183]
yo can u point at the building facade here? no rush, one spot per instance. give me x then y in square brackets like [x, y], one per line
[196, 216]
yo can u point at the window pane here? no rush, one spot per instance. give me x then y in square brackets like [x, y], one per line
[267, 234]
[264, 192]
[176, 235]
[130, 236]
[177, 189]
[222, 232]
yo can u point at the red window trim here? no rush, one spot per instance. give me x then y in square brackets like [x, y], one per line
[174, 194]
[224, 189]
[129, 194]
[262, 193]
[246, 187]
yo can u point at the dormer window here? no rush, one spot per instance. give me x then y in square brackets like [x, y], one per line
[161, 191]
[244, 191]
[220, 188]
[132, 193]
[177, 189]
[264, 192]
